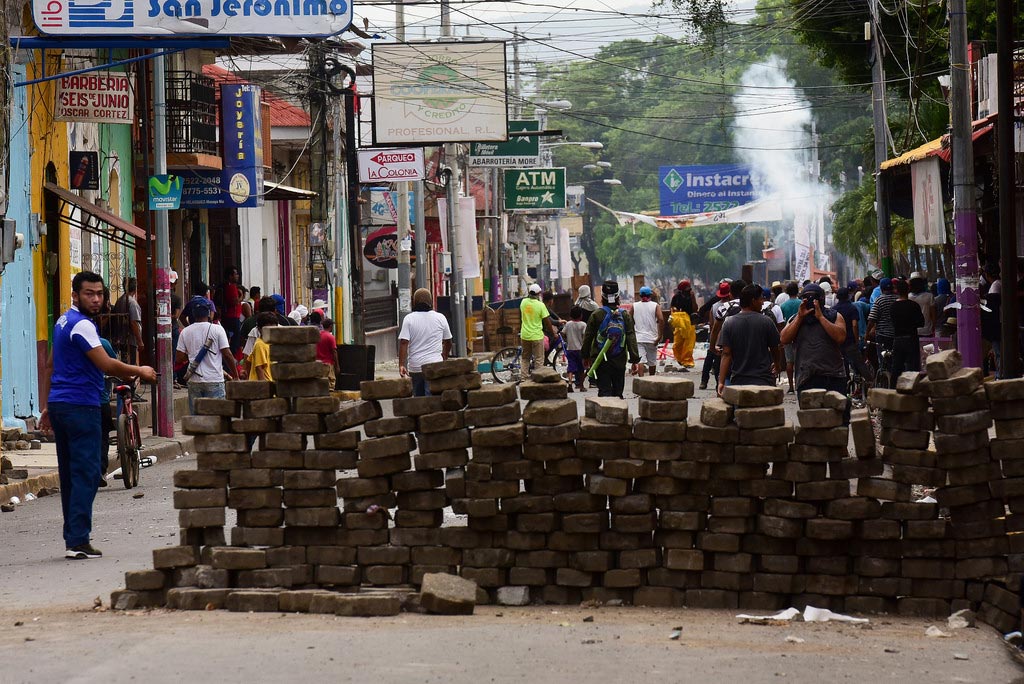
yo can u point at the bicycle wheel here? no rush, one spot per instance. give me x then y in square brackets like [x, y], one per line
[127, 453]
[560, 363]
[883, 380]
[136, 458]
[506, 365]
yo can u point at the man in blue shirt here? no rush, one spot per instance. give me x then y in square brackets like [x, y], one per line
[76, 388]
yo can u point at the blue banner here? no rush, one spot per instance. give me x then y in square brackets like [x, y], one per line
[242, 134]
[699, 189]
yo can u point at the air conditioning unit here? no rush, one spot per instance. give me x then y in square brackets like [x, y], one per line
[986, 86]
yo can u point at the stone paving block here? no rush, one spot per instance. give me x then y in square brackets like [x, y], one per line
[323, 459]
[699, 432]
[217, 407]
[863, 437]
[891, 400]
[230, 558]
[947, 443]
[302, 388]
[492, 395]
[975, 401]
[390, 388]
[197, 599]
[386, 427]
[886, 490]
[288, 334]
[366, 605]
[201, 517]
[747, 396]
[345, 441]
[268, 497]
[550, 412]
[382, 447]
[663, 388]
[144, 580]
[249, 390]
[415, 406]
[275, 459]
[652, 409]
[322, 497]
[906, 421]
[442, 421]
[499, 436]
[468, 381]
[203, 425]
[943, 365]
[254, 601]
[221, 443]
[963, 382]
[200, 479]
[304, 370]
[172, 557]
[715, 413]
[264, 578]
[448, 368]
[607, 410]
[553, 434]
[591, 429]
[659, 431]
[255, 426]
[1010, 429]
[530, 390]
[494, 415]
[445, 594]
[763, 417]
[304, 423]
[385, 465]
[444, 441]
[323, 405]
[1005, 390]
[819, 418]
[769, 436]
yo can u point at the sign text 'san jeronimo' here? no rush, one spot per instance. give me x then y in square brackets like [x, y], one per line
[376, 165]
[439, 92]
[100, 97]
[192, 17]
[535, 189]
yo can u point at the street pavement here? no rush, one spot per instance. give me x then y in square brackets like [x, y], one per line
[51, 631]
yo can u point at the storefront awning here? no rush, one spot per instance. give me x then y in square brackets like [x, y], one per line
[94, 219]
[929, 149]
[276, 191]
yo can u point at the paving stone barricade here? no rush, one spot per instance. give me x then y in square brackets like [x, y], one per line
[733, 508]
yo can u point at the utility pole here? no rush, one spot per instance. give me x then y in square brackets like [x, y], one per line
[354, 239]
[318, 144]
[881, 136]
[164, 364]
[452, 185]
[1009, 364]
[404, 276]
[965, 216]
[517, 105]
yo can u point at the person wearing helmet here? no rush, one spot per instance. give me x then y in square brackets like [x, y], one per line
[683, 299]
[534, 322]
[650, 322]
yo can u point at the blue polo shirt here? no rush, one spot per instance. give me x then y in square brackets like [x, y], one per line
[75, 379]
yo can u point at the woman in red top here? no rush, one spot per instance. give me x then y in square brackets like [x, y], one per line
[327, 347]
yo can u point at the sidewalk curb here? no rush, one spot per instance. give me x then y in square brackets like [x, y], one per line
[167, 449]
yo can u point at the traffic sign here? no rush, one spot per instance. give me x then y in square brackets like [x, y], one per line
[519, 151]
[535, 189]
[392, 164]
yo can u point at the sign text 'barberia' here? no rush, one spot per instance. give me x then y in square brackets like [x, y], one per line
[102, 97]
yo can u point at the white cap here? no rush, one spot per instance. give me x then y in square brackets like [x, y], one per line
[915, 275]
[535, 289]
[319, 304]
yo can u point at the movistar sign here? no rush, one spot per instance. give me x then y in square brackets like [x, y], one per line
[193, 17]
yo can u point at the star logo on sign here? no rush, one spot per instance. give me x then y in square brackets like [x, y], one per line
[523, 138]
[547, 198]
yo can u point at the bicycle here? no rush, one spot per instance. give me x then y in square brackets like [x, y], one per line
[129, 439]
[507, 367]
[883, 376]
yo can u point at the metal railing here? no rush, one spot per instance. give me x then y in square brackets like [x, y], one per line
[191, 113]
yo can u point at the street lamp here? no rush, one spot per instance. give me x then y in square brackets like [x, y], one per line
[588, 144]
[597, 166]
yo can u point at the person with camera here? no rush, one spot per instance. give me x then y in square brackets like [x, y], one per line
[817, 335]
[203, 345]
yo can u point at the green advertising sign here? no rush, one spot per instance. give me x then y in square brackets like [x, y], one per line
[534, 189]
[520, 150]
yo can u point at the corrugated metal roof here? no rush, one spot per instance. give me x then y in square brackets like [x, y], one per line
[282, 112]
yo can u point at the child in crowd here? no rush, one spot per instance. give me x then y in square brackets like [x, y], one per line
[573, 332]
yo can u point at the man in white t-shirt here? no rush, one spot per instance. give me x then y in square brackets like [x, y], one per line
[649, 322]
[207, 379]
[425, 338]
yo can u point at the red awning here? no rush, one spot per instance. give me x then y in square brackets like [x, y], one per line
[94, 219]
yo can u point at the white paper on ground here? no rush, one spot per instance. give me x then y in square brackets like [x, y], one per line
[787, 614]
[812, 614]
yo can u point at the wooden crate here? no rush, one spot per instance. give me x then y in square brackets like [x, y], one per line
[501, 328]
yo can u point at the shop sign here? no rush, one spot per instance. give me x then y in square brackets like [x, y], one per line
[220, 18]
[98, 97]
[242, 135]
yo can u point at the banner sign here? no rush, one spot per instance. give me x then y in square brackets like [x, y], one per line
[242, 134]
[801, 262]
[221, 18]
[99, 97]
[701, 189]
[384, 206]
[376, 166]
[519, 151]
[381, 248]
[85, 170]
[929, 219]
[439, 93]
[164, 192]
[534, 189]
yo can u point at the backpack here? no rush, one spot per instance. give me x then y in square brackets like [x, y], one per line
[613, 328]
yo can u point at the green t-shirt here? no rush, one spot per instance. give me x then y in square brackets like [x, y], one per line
[532, 313]
[790, 307]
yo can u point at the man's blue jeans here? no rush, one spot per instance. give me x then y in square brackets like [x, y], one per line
[419, 385]
[78, 434]
[203, 390]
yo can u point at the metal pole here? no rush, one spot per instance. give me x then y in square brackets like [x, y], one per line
[560, 286]
[422, 268]
[1009, 364]
[354, 239]
[453, 210]
[164, 365]
[404, 285]
[965, 216]
[517, 104]
[342, 313]
[142, 78]
[878, 116]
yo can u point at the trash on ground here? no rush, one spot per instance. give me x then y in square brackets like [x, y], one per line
[961, 619]
[676, 633]
[934, 631]
[138, 495]
[784, 616]
[794, 640]
[812, 614]
[589, 618]
[961, 656]
[890, 649]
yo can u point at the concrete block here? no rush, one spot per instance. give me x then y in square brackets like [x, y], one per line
[446, 594]
[492, 395]
[550, 412]
[943, 365]
[390, 388]
[747, 396]
[607, 410]
[763, 417]
[249, 390]
[716, 413]
[663, 388]
[307, 370]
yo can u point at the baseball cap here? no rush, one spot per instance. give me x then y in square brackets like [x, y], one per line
[724, 291]
[610, 287]
[683, 284]
[534, 289]
[885, 284]
[200, 309]
[646, 291]
[812, 289]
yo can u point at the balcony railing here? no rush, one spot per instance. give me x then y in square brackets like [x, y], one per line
[191, 113]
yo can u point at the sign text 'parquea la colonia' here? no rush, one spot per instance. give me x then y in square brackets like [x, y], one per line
[192, 17]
